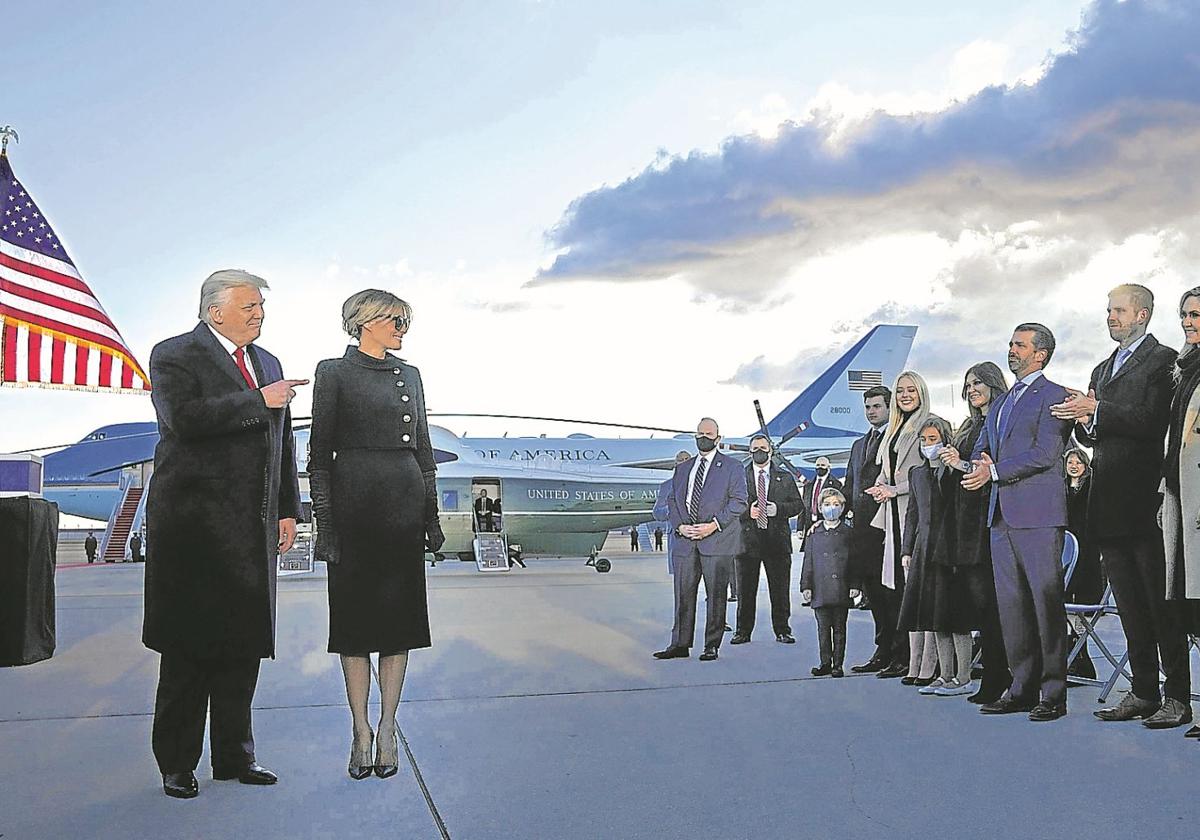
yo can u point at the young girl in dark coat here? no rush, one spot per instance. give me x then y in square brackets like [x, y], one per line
[929, 557]
[825, 581]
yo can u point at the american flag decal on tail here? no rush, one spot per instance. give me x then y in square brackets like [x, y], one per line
[862, 380]
[53, 331]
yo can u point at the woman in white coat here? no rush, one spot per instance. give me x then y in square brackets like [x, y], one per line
[898, 452]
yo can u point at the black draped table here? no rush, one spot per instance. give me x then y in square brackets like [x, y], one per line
[28, 542]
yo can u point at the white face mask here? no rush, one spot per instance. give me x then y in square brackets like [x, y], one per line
[931, 452]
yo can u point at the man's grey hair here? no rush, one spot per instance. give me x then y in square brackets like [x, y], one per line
[361, 308]
[1140, 296]
[215, 290]
[1043, 339]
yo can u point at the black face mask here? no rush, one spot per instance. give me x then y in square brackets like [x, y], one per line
[760, 456]
[705, 444]
[822, 470]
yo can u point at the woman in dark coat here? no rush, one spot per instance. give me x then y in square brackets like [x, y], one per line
[372, 478]
[928, 525]
[983, 387]
[1087, 581]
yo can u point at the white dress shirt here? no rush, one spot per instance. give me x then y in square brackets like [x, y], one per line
[231, 348]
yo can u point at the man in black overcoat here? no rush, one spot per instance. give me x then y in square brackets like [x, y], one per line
[1124, 418]
[866, 543]
[766, 542]
[222, 505]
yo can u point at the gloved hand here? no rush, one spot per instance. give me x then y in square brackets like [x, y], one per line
[434, 538]
[326, 546]
[319, 488]
[431, 496]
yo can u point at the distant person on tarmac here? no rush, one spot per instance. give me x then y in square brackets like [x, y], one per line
[90, 545]
[135, 547]
[633, 538]
[658, 539]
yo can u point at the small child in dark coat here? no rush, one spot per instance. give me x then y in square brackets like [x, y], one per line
[825, 581]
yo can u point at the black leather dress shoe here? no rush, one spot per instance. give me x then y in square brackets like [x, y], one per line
[896, 669]
[1194, 732]
[921, 682]
[1048, 711]
[821, 671]
[1007, 705]
[785, 638]
[710, 653]
[673, 653]
[181, 785]
[739, 639]
[907, 680]
[871, 666]
[837, 672]
[254, 774]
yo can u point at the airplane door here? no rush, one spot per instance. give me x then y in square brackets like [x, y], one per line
[487, 505]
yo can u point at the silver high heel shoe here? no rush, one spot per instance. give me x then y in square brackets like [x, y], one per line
[387, 757]
[360, 758]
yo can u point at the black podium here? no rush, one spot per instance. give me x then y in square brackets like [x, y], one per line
[28, 543]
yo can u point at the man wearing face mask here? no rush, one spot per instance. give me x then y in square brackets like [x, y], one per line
[708, 497]
[766, 542]
[824, 480]
[1124, 418]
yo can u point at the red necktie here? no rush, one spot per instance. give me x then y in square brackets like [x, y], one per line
[240, 355]
[816, 504]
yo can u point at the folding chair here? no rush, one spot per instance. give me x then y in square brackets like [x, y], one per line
[1090, 614]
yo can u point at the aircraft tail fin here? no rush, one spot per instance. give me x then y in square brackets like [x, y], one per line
[833, 403]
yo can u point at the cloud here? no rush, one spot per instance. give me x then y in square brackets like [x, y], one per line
[1101, 147]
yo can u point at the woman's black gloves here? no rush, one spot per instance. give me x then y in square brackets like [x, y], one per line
[322, 508]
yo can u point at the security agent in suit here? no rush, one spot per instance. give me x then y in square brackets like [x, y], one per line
[707, 500]
[866, 542]
[766, 542]
[1124, 418]
[1020, 456]
[221, 507]
[823, 480]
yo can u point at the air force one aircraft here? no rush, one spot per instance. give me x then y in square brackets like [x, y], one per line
[825, 419]
[560, 496]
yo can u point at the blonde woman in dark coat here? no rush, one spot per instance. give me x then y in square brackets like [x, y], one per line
[372, 476]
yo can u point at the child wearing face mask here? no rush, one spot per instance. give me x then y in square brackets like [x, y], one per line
[929, 559]
[825, 581]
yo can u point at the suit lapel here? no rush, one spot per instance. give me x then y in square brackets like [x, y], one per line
[1139, 355]
[222, 359]
[1021, 405]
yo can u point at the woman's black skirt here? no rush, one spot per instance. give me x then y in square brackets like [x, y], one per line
[377, 601]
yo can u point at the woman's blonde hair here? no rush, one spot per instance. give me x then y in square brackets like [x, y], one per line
[368, 305]
[896, 416]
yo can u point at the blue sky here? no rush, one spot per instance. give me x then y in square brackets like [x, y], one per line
[432, 149]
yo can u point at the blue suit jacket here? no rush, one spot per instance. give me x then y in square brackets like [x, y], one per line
[1031, 491]
[723, 498]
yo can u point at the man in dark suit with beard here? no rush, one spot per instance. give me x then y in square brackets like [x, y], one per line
[866, 543]
[766, 542]
[1124, 418]
[222, 506]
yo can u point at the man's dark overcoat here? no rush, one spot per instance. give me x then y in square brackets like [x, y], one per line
[224, 475]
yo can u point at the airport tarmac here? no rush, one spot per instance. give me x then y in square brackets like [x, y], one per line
[539, 713]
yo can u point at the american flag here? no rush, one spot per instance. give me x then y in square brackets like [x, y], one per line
[55, 333]
[863, 380]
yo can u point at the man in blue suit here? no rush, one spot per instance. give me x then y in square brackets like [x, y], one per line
[708, 496]
[1021, 457]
